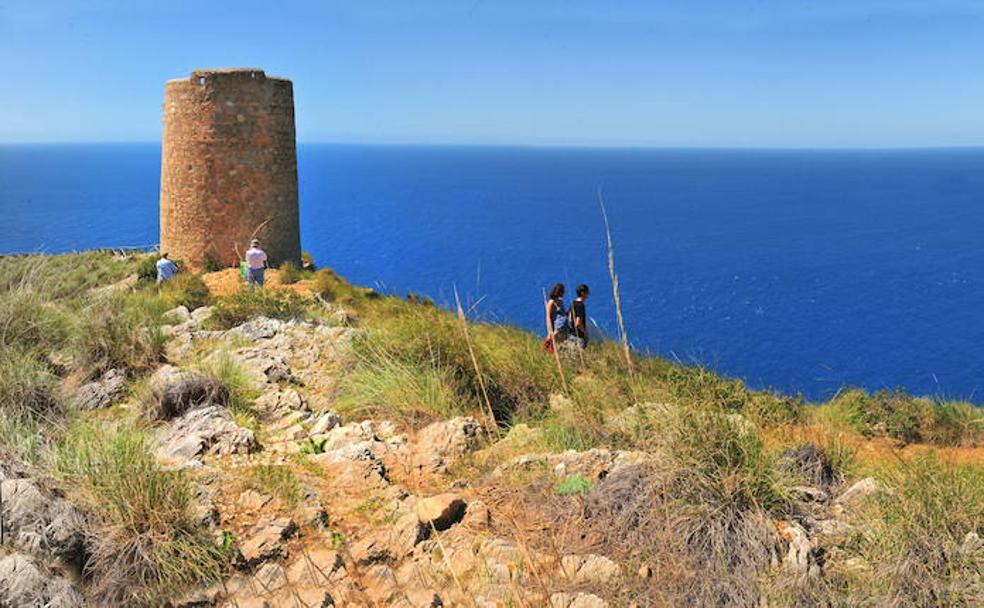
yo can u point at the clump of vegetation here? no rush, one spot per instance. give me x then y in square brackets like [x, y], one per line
[146, 548]
[211, 262]
[243, 305]
[917, 532]
[117, 335]
[307, 261]
[278, 480]
[186, 289]
[239, 392]
[289, 274]
[572, 484]
[906, 418]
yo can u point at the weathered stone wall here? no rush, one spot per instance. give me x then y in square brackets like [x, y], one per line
[228, 167]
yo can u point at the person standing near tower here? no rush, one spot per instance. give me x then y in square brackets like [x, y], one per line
[256, 263]
[166, 269]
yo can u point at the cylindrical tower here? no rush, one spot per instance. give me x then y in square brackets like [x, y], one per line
[229, 167]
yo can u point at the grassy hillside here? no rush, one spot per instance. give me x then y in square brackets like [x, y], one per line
[725, 462]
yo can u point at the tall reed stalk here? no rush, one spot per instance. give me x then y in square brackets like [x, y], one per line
[615, 289]
[493, 425]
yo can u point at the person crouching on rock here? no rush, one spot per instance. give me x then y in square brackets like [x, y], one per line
[256, 263]
[558, 321]
[166, 269]
[579, 316]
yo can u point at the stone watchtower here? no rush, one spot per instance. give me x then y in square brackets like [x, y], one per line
[229, 167]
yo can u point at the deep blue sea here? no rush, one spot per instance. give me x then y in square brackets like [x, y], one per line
[800, 270]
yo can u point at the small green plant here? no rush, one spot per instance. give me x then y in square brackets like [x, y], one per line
[307, 261]
[313, 446]
[243, 305]
[289, 274]
[278, 480]
[337, 540]
[211, 263]
[186, 289]
[572, 484]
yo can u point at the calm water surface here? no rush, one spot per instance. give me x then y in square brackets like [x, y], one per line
[803, 271]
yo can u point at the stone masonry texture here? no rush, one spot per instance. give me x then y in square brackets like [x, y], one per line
[229, 167]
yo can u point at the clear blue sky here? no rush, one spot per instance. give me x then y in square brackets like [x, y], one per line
[818, 73]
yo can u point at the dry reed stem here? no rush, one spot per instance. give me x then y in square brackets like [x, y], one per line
[471, 353]
[615, 288]
[447, 564]
[553, 344]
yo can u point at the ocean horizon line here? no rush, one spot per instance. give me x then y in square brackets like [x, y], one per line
[535, 146]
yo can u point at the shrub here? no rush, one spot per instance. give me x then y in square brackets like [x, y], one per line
[278, 480]
[29, 323]
[57, 277]
[572, 484]
[906, 418]
[414, 391]
[186, 289]
[243, 305]
[916, 530]
[29, 399]
[115, 334]
[289, 274]
[237, 387]
[147, 548]
[147, 269]
[333, 288]
[211, 263]
[307, 261]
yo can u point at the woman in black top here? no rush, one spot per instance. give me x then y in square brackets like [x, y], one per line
[579, 316]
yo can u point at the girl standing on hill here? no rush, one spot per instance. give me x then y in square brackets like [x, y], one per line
[558, 320]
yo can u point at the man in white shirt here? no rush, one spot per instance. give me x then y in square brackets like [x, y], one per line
[166, 269]
[256, 262]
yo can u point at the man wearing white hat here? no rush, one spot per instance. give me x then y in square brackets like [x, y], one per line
[256, 262]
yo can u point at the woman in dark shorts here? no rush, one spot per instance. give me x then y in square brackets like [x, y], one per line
[558, 319]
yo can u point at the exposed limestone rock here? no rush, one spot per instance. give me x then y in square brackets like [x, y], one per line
[589, 569]
[477, 516]
[577, 600]
[176, 315]
[202, 314]
[858, 491]
[440, 444]
[258, 328]
[324, 423]
[103, 392]
[36, 520]
[203, 430]
[799, 554]
[370, 550]
[174, 391]
[317, 567]
[264, 367]
[267, 541]
[380, 584]
[281, 403]
[441, 511]
[595, 463]
[26, 582]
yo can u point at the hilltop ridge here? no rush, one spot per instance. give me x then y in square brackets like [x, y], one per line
[320, 444]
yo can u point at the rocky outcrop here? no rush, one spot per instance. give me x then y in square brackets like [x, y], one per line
[441, 444]
[204, 430]
[37, 520]
[103, 392]
[174, 391]
[25, 581]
